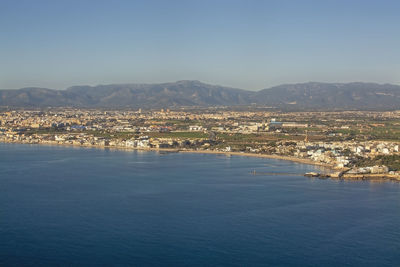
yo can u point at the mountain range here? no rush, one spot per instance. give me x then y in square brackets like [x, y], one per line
[301, 96]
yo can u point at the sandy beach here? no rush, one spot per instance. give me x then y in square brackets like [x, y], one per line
[270, 156]
[243, 154]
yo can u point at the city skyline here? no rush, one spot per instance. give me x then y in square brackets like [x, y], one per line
[250, 45]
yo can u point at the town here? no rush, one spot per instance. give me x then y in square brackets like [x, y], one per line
[352, 144]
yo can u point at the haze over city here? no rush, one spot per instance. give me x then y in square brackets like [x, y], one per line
[242, 44]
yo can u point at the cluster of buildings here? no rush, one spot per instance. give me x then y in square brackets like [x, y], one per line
[88, 139]
[341, 155]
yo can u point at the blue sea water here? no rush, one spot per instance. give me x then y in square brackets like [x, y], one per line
[63, 206]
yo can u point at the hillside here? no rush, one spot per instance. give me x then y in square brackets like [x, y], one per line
[332, 96]
[303, 96]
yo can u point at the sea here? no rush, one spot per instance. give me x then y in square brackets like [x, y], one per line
[71, 206]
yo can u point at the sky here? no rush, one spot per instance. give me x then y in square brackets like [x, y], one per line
[244, 44]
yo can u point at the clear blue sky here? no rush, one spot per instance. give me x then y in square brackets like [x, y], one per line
[245, 44]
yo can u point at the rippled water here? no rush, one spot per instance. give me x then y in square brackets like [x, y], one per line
[80, 206]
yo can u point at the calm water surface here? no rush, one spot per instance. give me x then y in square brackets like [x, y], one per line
[63, 206]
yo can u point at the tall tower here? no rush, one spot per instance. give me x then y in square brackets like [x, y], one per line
[306, 138]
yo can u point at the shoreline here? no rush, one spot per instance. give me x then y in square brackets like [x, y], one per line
[177, 150]
[269, 156]
[328, 168]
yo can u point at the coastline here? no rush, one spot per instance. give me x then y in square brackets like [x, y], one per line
[269, 156]
[328, 168]
[202, 151]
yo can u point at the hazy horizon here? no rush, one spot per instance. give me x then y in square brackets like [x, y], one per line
[204, 82]
[249, 45]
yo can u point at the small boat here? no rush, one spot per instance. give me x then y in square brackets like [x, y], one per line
[312, 174]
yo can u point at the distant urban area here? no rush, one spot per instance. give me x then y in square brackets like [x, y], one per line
[350, 144]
